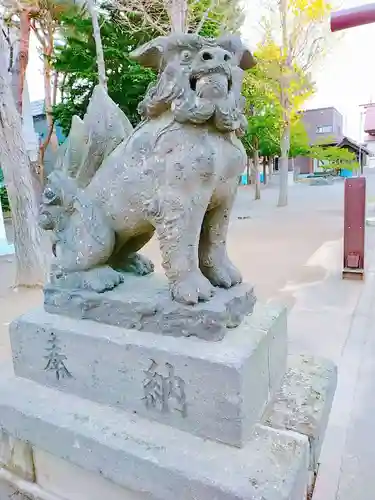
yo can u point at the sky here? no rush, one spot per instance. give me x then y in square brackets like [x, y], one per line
[345, 79]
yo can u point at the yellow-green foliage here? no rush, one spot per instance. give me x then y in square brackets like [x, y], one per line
[333, 157]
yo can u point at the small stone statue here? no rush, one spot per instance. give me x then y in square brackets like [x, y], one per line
[176, 174]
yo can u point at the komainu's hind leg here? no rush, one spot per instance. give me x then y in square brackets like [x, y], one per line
[127, 259]
[82, 240]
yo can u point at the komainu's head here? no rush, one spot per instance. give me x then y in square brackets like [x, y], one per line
[199, 79]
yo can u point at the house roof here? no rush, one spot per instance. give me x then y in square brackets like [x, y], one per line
[38, 108]
[346, 141]
[311, 110]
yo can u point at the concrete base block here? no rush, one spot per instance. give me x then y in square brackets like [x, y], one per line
[16, 456]
[216, 390]
[144, 303]
[154, 460]
[70, 482]
[304, 401]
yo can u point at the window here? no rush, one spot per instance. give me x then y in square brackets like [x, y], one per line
[326, 129]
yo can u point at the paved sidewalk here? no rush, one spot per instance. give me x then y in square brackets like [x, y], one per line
[335, 319]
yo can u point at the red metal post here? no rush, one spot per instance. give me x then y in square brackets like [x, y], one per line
[354, 228]
[349, 18]
[355, 188]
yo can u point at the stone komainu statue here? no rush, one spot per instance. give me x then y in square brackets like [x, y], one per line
[176, 174]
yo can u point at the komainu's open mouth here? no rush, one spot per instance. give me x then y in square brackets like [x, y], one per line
[194, 79]
[193, 83]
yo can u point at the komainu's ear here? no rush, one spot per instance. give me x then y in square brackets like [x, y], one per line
[247, 60]
[233, 44]
[151, 53]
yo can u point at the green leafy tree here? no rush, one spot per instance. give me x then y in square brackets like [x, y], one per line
[121, 31]
[76, 63]
[333, 158]
[295, 37]
[212, 17]
[264, 117]
[251, 145]
[299, 144]
[330, 158]
[299, 140]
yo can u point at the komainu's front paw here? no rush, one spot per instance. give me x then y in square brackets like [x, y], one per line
[101, 279]
[221, 272]
[137, 264]
[193, 288]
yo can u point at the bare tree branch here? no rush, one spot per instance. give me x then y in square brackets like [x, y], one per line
[177, 12]
[98, 44]
[164, 16]
[138, 15]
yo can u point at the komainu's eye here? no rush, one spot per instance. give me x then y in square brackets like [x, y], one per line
[186, 56]
[49, 193]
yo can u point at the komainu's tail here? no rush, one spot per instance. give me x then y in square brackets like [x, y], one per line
[92, 139]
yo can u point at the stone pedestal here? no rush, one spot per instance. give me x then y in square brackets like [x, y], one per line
[145, 303]
[135, 414]
[216, 390]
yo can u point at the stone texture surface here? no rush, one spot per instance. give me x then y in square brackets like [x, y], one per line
[213, 389]
[144, 303]
[16, 456]
[176, 174]
[149, 457]
[304, 401]
[12, 487]
[70, 482]
[320, 181]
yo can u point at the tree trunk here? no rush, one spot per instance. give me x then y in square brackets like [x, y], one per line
[255, 173]
[284, 100]
[271, 162]
[248, 171]
[48, 91]
[98, 44]
[283, 167]
[177, 10]
[31, 261]
[15, 75]
[296, 170]
[15, 72]
[264, 163]
[49, 99]
[24, 46]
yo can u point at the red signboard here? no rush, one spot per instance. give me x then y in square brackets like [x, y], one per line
[354, 228]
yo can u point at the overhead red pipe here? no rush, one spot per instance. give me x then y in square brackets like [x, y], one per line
[349, 18]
